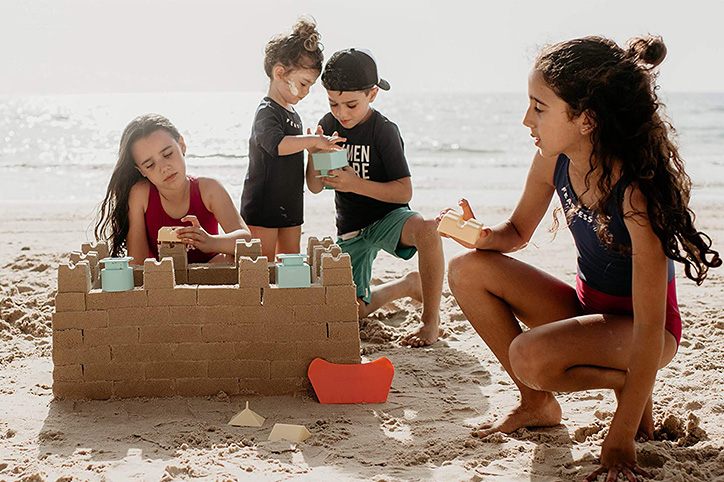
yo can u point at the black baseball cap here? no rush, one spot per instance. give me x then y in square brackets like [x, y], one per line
[352, 70]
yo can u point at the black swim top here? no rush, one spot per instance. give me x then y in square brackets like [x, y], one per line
[599, 266]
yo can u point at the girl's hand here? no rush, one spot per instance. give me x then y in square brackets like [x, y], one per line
[195, 236]
[344, 180]
[324, 143]
[467, 214]
[618, 457]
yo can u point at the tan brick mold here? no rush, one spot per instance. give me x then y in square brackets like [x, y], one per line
[195, 330]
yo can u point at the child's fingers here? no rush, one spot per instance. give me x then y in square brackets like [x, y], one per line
[467, 210]
[191, 219]
[320, 131]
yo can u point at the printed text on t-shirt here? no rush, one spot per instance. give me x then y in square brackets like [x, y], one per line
[359, 158]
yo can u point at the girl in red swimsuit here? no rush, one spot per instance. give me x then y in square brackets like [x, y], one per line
[605, 148]
[149, 189]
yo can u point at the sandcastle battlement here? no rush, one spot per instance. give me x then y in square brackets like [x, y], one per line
[198, 329]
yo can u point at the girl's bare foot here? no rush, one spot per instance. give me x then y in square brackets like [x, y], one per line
[544, 412]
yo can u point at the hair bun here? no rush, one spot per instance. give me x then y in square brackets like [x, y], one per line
[649, 50]
[306, 29]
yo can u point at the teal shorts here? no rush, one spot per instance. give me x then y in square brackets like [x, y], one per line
[363, 248]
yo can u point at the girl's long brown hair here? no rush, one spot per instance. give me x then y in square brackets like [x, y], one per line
[112, 223]
[616, 88]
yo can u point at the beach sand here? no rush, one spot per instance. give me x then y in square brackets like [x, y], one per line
[422, 433]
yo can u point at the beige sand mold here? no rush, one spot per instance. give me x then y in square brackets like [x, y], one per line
[168, 234]
[454, 225]
[247, 418]
[293, 433]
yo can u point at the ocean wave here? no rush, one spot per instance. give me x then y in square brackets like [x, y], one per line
[454, 148]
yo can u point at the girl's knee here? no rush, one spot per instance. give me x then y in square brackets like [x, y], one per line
[528, 360]
[468, 267]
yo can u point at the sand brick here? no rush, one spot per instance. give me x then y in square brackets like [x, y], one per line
[228, 295]
[239, 368]
[336, 261]
[179, 296]
[74, 279]
[213, 274]
[275, 296]
[332, 277]
[115, 335]
[197, 387]
[341, 295]
[181, 276]
[170, 334]
[222, 333]
[282, 350]
[67, 338]
[271, 386]
[102, 300]
[137, 276]
[259, 315]
[92, 258]
[144, 316]
[212, 315]
[150, 265]
[313, 242]
[113, 371]
[176, 369]
[68, 373]
[332, 351]
[147, 352]
[250, 249]
[322, 314]
[288, 368]
[319, 251]
[177, 251]
[101, 248]
[159, 281]
[342, 331]
[83, 390]
[144, 388]
[204, 351]
[69, 302]
[95, 354]
[253, 274]
[80, 319]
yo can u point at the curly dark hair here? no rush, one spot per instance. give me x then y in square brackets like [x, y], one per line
[112, 220]
[616, 88]
[299, 50]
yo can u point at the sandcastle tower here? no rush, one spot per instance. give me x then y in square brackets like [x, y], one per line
[197, 329]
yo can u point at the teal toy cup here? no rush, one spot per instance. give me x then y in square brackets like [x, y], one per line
[326, 161]
[117, 275]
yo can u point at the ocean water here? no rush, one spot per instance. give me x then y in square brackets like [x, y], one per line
[63, 148]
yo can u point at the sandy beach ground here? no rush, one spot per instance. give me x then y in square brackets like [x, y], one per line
[422, 433]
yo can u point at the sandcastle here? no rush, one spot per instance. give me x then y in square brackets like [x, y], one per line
[198, 329]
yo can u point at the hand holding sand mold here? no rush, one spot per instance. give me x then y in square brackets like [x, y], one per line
[467, 215]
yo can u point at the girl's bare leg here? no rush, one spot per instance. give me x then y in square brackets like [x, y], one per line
[268, 237]
[576, 353]
[494, 291]
[288, 240]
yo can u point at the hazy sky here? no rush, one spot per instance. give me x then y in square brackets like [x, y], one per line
[76, 46]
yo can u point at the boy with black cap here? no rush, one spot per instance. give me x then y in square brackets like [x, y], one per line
[372, 193]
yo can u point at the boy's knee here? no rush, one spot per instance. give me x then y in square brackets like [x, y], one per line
[423, 230]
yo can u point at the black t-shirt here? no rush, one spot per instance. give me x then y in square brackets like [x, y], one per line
[376, 152]
[273, 194]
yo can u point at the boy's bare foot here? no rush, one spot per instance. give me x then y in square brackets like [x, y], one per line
[425, 335]
[546, 413]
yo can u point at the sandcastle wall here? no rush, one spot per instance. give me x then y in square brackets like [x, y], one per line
[194, 330]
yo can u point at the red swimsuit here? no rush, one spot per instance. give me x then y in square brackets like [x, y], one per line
[157, 218]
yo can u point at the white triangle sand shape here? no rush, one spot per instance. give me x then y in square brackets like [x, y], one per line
[293, 433]
[247, 418]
